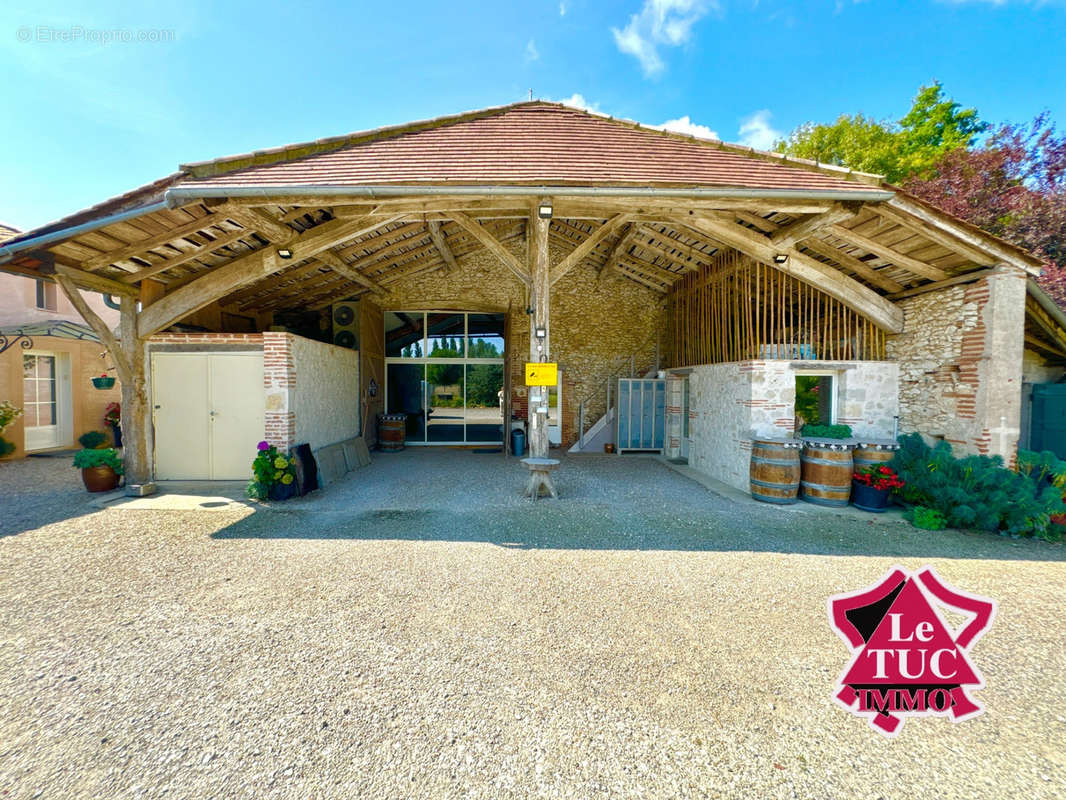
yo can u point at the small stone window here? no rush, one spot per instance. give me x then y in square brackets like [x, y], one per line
[815, 400]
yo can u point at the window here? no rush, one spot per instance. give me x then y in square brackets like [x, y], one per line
[46, 296]
[815, 400]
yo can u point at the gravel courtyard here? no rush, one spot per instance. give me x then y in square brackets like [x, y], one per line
[641, 636]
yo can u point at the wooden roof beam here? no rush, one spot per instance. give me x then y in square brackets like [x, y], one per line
[223, 280]
[797, 231]
[186, 257]
[579, 253]
[341, 267]
[437, 236]
[852, 264]
[887, 253]
[621, 247]
[493, 245]
[803, 267]
[151, 242]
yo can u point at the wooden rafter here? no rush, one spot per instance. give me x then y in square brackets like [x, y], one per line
[798, 231]
[437, 236]
[150, 243]
[578, 254]
[831, 281]
[852, 264]
[621, 247]
[187, 256]
[492, 244]
[887, 253]
[255, 219]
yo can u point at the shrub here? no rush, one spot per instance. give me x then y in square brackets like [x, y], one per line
[826, 431]
[105, 457]
[928, 519]
[92, 440]
[6, 447]
[978, 491]
[8, 414]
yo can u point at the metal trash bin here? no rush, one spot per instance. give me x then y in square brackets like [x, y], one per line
[518, 442]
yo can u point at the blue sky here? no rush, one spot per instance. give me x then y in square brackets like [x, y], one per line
[87, 118]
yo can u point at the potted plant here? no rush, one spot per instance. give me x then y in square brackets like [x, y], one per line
[871, 487]
[8, 414]
[273, 474]
[113, 419]
[100, 465]
[104, 381]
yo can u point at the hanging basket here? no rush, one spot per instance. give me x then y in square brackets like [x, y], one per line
[103, 382]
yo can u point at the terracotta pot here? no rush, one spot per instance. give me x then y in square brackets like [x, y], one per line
[99, 479]
[608, 447]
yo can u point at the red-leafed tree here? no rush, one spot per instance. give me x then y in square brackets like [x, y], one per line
[1013, 186]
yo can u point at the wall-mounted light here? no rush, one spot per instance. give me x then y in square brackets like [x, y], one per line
[780, 258]
[541, 332]
[544, 210]
[284, 252]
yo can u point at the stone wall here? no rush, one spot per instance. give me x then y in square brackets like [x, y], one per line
[732, 404]
[960, 360]
[595, 327]
[326, 392]
[1036, 369]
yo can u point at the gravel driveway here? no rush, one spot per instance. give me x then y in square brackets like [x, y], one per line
[639, 637]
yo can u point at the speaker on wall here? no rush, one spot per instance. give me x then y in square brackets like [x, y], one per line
[346, 324]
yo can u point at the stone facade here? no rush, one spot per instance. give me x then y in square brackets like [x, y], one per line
[326, 392]
[595, 326]
[960, 357]
[732, 404]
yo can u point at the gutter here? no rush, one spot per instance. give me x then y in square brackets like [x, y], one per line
[178, 196]
[34, 242]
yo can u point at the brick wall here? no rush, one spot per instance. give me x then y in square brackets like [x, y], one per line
[279, 384]
[960, 362]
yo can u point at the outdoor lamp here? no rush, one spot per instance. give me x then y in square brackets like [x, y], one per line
[284, 252]
[544, 210]
[541, 332]
[780, 258]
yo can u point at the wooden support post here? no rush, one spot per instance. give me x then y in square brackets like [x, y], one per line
[539, 349]
[136, 407]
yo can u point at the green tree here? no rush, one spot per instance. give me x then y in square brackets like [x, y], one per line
[934, 126]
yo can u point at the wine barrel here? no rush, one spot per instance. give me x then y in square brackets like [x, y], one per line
[775, 471]
[392, 432]
[874, 454]
[826, 473]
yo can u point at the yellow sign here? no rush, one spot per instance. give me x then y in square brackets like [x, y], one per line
[544, 374]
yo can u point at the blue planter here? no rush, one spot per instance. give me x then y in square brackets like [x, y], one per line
[281, 491]
[868, 498]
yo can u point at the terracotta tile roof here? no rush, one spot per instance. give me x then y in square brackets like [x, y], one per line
[8, 232]
[528, 143]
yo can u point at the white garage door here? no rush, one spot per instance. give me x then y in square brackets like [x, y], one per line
[208, 412]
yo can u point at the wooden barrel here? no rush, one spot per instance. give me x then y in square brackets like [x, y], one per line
[392, 432]
[775, 471]
[873, 454]
[826, 473]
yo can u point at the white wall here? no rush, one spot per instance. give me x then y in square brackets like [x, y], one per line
[325, 398]
[731, 404]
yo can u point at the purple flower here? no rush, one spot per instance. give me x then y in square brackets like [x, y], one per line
[263, 446]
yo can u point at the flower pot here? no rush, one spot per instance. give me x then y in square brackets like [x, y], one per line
[99, 479]
[281, 491]
[116, 434]
[868, 498]
[608, 447]
[103, 382]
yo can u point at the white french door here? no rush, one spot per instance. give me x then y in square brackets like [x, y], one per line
[47, 415]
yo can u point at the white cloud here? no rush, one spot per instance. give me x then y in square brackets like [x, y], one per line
[756, 131]
[686, 126]
[578, 101]
[532, 54]
[659, 23]
[562, 9]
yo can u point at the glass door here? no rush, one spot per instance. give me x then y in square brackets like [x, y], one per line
[40, 399]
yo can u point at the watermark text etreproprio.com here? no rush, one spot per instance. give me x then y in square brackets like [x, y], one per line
[79, 33]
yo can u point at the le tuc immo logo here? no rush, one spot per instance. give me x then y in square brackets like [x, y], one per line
[907, 660]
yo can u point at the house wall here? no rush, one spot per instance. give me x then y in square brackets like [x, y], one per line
[595, 326]
[326, 392]
[732, 404]
[88, 404]
[1036, 369]
[18, 304]
[960, 357]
